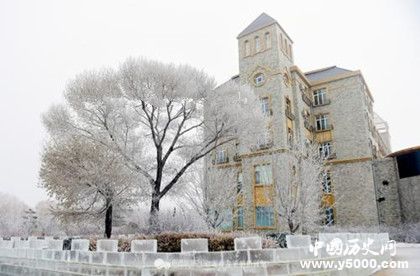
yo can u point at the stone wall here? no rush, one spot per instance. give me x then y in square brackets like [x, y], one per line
[247, 259]
[355, 194]
[409, 188]
[387, 194]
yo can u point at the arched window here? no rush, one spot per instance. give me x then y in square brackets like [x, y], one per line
[257, 44]
[247, 48]
[267, 40]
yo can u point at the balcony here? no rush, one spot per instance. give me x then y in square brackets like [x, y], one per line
[306, 99]
[322, 103]
[289, 114]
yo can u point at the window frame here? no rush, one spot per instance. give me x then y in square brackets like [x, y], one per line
[321, 122]
[257, 43]
[319, 96]
[262, 213]
[267, 37]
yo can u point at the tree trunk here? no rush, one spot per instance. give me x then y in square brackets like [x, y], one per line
[154, 226]
[108, 222]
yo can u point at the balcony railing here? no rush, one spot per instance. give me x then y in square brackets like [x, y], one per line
[289, 114]
[306, 99]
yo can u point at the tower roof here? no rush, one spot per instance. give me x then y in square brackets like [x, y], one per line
[262, 21]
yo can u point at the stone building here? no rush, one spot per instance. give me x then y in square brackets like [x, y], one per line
[330, 107]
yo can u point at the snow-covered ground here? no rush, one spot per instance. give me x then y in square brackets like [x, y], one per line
[405, 252]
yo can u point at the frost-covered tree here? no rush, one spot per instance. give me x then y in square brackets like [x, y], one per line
[12, 211]
[86, 179]
[152, 115]
[48, 223]
[212, 194]
[298, 198]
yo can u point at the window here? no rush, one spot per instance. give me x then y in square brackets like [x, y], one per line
[267, 40]
[259, 79]
[321, 122]
[221, 157]
[265, 105]
[264, 140]
[326, 182]
[285, 45]
[329, 216]
[263, 175]
[325, 150]
[239, 182]
[247, 48]
[257, 44]
[264, 216]
[290, 50]
[319, 97]
[240, 217]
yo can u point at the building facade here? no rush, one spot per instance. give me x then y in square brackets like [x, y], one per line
[331, 108]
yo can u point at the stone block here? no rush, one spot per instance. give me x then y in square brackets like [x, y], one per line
[37, 244]
[254, 271]
[107, 245]
[298, 241]
[80, 245]
[21, 244]
[277, 269]
[235, 257]
[248, 243]
[287, 254]
[260, 256]
[73, 256]
[84, 257]
[230, 271]
[30, 253]
[54, 244]
[132, 259]
[58, 255]
[194, 245]
[183, 259]
[6, 244]
[114, 258]
[21, 252]
[98, 257]
[149, 246]
[149, 259]
[208, 258]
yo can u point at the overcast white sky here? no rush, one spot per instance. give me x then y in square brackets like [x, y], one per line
[45, 43]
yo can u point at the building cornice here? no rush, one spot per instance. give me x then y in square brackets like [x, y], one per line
[296, 69]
